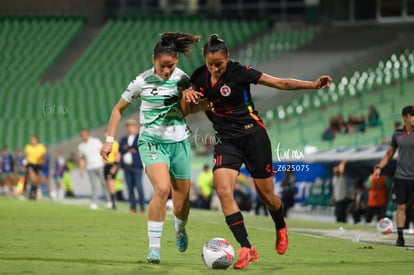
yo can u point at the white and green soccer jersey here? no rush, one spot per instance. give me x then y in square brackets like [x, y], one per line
[160, 115]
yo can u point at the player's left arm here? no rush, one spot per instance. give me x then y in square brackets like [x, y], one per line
[294, 84]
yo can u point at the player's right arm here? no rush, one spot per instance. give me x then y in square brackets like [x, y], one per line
[116, 116]
[384, 161]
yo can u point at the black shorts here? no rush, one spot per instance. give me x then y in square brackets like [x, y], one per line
[107, 171]
[34, 167]
[403, 191]
[254, 150]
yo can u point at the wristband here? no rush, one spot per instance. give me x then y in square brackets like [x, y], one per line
[109, 139]
[378, 167]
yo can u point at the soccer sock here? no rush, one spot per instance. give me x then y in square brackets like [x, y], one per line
[154, 233]
[113, 200]
[33, 191]
[179, 224]
[278, 217]
[400, 232]
[236, 225]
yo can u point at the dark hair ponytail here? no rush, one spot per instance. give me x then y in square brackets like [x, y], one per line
[215, 44]
[173, 43]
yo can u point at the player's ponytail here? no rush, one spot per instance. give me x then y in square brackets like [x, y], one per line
[173, 43]
[215, 44]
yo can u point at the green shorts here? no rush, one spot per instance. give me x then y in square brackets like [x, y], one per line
[177, 156]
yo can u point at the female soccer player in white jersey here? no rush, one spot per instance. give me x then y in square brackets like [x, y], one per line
[163, 142]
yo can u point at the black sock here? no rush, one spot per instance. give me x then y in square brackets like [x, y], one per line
[278, 217]
[33, 191]
[236, 225]
[113, 199]
[400, 232]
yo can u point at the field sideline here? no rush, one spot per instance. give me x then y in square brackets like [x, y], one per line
[49, 238]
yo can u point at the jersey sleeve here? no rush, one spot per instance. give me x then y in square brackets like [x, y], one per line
[394, 143]
[133, 90]
[247, 73]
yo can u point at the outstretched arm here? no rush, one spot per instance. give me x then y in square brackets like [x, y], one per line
[294, 84]
[113, 125]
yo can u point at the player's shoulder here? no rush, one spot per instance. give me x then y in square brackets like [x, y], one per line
[236, 66]
[140, 78]
[179, 72]
[200, 71]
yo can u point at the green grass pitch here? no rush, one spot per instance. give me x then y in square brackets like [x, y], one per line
[49, 238]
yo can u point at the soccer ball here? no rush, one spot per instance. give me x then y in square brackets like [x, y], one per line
[384, 226]
[218, 253]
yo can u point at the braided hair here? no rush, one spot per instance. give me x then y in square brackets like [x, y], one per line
[173, 43]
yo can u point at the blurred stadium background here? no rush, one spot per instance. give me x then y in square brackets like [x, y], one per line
[65, 64]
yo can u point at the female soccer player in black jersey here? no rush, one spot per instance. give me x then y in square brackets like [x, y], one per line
[242, 137]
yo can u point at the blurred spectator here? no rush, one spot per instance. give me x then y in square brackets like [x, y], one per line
[111, 168]
[44, 174]
[58, 170]
[328, 134]
[340, 198]
[90, 160]
[205, 188]
[338, 124]
[358, 205]
[67, 182]
[362, 124]
[20, 161]
[7, 172]
[119, 187]
[288, 191]
[21, 170]
[355, 124]
[35, 153]
[132, 165]
[72, 161]
[373, 117]
[378, 194]
[243, 192]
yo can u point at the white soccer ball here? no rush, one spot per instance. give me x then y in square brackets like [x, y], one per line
[218, 253]
[385, 226]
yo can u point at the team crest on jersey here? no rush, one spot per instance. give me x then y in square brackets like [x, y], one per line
[153, 156]
[225, 90]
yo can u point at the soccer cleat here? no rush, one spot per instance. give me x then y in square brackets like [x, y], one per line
[181, 240]
[400, 242]
[154, 256]
[282, 242]
[246, 256]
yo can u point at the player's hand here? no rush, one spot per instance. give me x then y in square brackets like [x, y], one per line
[376, 172]
[106, 149]
[191, 96]
[323, 81]
[205, 105]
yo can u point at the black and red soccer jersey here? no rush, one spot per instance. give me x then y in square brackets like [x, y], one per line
[234, 113]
